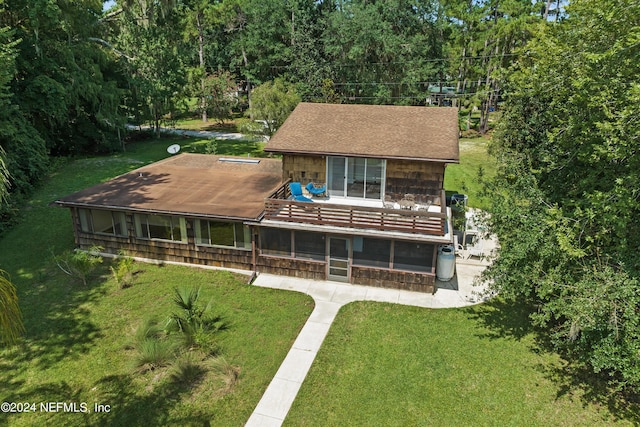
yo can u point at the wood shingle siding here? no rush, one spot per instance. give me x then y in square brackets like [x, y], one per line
[304, 169]
[424, 180]
[293, 267]
[420, 282]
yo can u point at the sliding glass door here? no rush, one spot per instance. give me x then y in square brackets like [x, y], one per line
[355, 177]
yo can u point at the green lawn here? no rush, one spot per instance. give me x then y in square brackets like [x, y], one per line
[463, 178]
[76, 348]
[211, 125]
[153, 149]
[391, 365]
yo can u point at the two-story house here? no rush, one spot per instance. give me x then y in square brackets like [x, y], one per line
[379, 222]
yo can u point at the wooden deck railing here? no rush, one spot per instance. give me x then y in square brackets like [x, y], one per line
[408, 221]
[281, 192]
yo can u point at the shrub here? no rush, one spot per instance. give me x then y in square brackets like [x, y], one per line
[211, 147]
[79, 264]
[153, 353]
[470, 133]
[250, 127]
[11, 327]
[149, 329]
[154, 349]
[188, 368]
[123, 271]
[227, 372]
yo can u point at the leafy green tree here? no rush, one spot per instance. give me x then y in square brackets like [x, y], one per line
[11, 327]
[308, 66]
[262, 38]
[146, 33]
[272, 103]
[385, 52]
[23, 155]
[566, 195]
[220, 95]
[7, 57]
[200, 18]
[481, 47]
[13, 129]
[64, 85]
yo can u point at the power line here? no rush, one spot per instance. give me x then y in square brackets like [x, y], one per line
[420, 61]
[457, 95]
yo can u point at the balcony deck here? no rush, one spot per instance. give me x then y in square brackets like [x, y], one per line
[426, 222]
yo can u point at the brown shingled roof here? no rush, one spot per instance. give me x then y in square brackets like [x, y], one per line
[384, 131]
[188, 184]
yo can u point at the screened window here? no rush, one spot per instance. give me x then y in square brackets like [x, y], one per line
[161, 227]
[216, 233]
[371, 252]
[413, 256]
[309, 245]
[275, 241]
[103, 222]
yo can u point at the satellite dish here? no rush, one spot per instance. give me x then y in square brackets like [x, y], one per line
[173, 149]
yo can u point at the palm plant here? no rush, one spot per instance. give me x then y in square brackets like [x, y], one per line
[123, 270]
[192, 319]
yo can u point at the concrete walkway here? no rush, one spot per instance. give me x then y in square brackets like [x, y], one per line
[201, 133]
[329, 297]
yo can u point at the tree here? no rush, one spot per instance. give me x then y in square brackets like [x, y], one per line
[566, 195]
[11, 327]
[385, 52]
[146, 34]
[23, 155]
[485, 36]
[219, 95]
[262, 38]
[273, 102]
[307, 64]
[7, 57]
[199, 17]
[65, 84]
[79, 264]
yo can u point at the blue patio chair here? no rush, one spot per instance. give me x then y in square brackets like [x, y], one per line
[296, 192]
[316, 191]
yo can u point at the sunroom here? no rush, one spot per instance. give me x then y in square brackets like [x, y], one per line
[180, 209]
